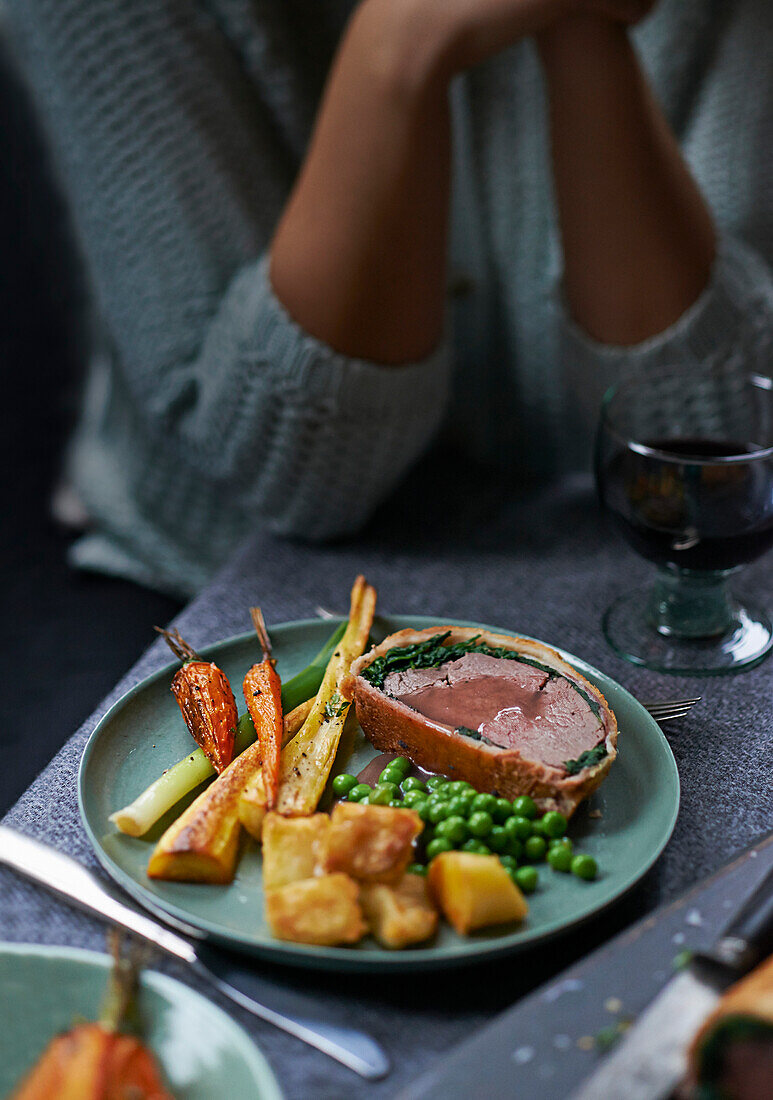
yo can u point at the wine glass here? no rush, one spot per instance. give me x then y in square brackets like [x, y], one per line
[684, 463]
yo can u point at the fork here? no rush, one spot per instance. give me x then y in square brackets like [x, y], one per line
[668, 709]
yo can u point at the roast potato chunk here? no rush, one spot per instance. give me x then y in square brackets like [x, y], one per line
[474, 891]
[322, 910]
[291, 847]
[370, 843]
[399, 915]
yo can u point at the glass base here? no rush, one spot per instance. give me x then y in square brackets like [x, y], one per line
[628, 627]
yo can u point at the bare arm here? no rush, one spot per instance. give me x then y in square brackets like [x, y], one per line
[638, 238]
[359, 255]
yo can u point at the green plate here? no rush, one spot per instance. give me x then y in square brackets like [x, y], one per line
[144, 733]
[196, 1044]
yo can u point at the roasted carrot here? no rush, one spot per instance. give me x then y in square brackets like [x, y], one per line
[263, 696]
[207, 703]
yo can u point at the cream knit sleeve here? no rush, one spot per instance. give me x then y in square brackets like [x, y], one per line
[177, 127]
[732, 320]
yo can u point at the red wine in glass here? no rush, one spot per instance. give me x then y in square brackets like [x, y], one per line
[676, 506]
[684, 465]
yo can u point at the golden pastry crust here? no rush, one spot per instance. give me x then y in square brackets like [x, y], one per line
[391, 726]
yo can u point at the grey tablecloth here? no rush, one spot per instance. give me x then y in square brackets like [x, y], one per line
[543, 564]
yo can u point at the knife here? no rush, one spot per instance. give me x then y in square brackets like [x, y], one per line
[65, 876]
[651, 1059]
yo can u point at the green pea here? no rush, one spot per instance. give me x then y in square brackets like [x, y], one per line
[457, 806]
[535, 847]
[453, 829]
[438, 845]
[508, 862]
[554, 824]
[397, 804]
[497, 839]
[441, 795]
[484, 802]
[366, 801]
[413, 783]
[437, 811]
[526, 878]
[514, 847]
[524, 806]
[477, 847]
[584, 867]
[360, 791]
[502, 810]
[480, 823]
[422, 809]
[391, 775]
[412, 798]
[391, 788]
[436, 781]
[537, 828]
[560, 858]
[402, 764]
[518, 827]
[459, 786]
[344, 783]
[381, 796]
[416, 869]
[560, 842]
[464, 802]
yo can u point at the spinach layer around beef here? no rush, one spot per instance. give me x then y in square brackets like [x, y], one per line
[586, 759]
[433, 653]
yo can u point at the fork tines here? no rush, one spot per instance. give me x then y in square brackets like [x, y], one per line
[670, 708]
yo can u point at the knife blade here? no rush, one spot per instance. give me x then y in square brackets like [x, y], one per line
[68, 878]
[650, 1060]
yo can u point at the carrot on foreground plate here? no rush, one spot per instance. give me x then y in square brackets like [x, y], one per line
[94, 1061]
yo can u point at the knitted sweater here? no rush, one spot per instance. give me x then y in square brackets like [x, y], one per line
[178, 127]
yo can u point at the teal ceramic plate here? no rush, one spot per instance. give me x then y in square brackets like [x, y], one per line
[197, 1046]
[144, 733]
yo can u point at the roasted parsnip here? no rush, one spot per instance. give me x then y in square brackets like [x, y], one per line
[263, 696]
[306, 761]
[203, 843]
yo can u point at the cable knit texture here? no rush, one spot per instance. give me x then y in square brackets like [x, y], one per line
[177, 128]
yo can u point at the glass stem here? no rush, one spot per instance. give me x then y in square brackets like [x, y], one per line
[689, 604]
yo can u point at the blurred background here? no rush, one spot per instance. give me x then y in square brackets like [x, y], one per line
[57, 658]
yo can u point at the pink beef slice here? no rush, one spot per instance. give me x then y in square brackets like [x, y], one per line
[513, 705]
[472, 665]
[562, 727]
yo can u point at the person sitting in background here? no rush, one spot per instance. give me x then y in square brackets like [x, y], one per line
[316, 231]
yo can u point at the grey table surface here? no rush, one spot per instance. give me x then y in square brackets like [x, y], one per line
[460, 546]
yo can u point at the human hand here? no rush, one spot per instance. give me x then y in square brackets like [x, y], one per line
[453, 35]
